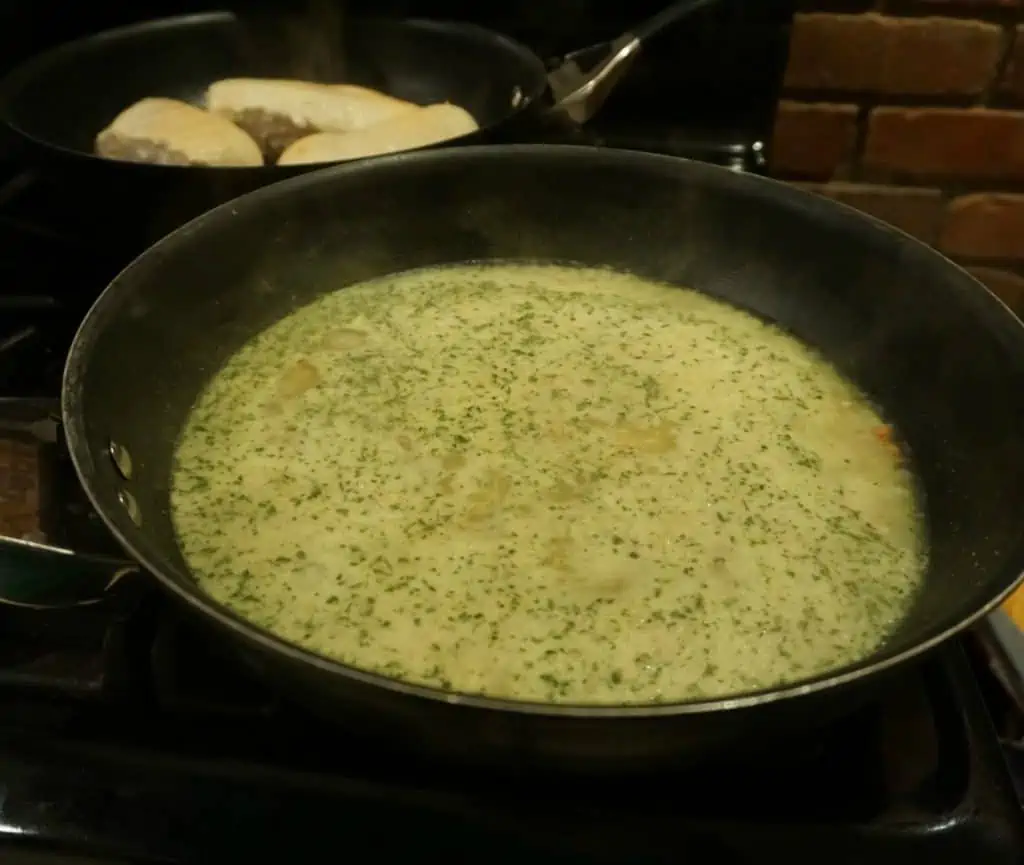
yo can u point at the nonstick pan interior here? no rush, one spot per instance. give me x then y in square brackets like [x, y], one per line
[63, 98]
[941, 356]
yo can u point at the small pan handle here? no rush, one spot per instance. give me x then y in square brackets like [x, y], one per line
[581, 81]
[666, 18]
[39, 576]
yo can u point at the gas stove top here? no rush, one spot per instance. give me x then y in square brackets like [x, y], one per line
[125, 739]
[121, 736]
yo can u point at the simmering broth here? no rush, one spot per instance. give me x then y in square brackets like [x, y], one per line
[548, 483]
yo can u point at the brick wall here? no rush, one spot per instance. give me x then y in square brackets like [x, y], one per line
[913, 111]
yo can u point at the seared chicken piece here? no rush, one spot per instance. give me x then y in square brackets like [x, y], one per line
[429, 125]
[169, 132]
[278, 112]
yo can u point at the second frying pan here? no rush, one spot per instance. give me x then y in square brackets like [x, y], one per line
[56, 103]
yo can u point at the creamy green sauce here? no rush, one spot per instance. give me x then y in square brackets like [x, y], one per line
[548, 483]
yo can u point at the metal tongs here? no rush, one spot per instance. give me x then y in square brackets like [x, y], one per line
[582, 81]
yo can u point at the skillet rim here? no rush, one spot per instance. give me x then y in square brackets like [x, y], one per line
[182, 585]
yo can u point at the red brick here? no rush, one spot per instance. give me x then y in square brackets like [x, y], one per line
[1013, 78]
[984, 225]
[813, 139]
[912, 209]
[946, 142]
[1004, 284]
[879, 54]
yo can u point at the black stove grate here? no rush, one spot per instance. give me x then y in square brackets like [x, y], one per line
[169, 762]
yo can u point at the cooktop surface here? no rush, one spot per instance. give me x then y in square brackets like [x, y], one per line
[124, 737]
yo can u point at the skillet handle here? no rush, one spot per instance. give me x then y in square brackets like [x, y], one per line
[668, 16]
[39, 576]
[584, 79]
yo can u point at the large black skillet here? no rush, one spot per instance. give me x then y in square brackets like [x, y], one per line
[54, 105]
[941, 356]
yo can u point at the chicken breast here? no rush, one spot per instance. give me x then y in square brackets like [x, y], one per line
[169, 132]
[278, 112]
[367, 106]
[429, 125]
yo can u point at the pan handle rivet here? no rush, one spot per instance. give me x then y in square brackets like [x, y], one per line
[131, 507]
[121, 459]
